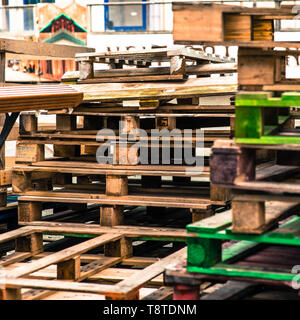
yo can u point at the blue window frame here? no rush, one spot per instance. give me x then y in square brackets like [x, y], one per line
[28, 13]
[125, 17]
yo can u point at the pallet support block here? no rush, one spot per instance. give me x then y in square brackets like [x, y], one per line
[177, 65]
[247, 215]
[255, 72]
[10, 294]
[63, 178]
[28, 153]
[65, 122]
[28, 123]
[32, 243]
[69, 269]
[183, 292]
[86, 70]
[121, 248]
[219, 194]
[111, 215]
[116, 185]
[238, 164]
[29, 211]
[204, 252]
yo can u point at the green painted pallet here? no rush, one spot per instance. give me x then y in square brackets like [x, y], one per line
[260, 117]
[205, 254]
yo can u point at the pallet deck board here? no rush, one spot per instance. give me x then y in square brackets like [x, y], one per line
[38, 97]
[136, 91]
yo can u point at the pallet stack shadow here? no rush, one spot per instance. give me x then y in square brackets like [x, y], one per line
[142, 99]
[265, 196]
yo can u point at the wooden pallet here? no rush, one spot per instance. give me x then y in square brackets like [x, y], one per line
[232, 25]
[178, 60]
[112, 192]
[255, 258]
[32, 179]
[261, 69]
[263, 123]
[195, 286]
[47, 271]
[253, 186]
[272, 121]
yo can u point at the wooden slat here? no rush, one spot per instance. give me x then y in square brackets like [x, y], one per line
[14, 257]
[11, 235]
[59, 285]
[153, 55]
[135, 91]
[127, 231]
[142, 200]
[136, 281]
[39, 50]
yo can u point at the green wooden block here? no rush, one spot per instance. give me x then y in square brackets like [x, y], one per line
[248, 122]
[204, 252]
[265, 99]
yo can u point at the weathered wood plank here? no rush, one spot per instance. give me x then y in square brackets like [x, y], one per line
[39, 50]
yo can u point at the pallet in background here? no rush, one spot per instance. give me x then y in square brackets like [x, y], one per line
[232, 24]
[180, 65]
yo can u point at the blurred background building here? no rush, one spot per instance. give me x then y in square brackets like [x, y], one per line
[104, 25]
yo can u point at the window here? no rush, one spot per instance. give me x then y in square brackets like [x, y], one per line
[28, 13]
[37, 1]
[125, 17]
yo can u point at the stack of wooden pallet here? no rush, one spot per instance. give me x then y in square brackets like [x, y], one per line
[265, 196]
[91, 240]
[12, 101]
[138, 105]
